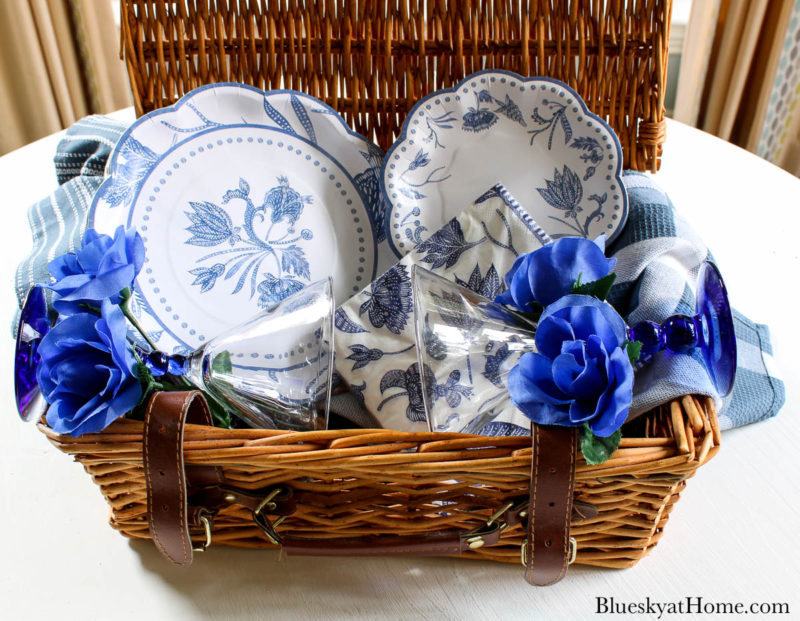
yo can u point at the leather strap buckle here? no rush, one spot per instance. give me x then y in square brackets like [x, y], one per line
[550, 548]
[205, 519]
[573, 551]
[501, 512]
[267, 505]
[170, 483]
[477, 538]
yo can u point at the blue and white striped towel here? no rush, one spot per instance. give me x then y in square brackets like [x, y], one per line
[58, 221]
[658, 256]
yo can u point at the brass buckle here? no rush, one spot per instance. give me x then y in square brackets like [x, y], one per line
[205, 520]
[573, 551]
[476, 535]
[501, 511]
[264, 507]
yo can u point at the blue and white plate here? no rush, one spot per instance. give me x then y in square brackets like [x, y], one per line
[218, 105]
[235, 219]
[534, 135]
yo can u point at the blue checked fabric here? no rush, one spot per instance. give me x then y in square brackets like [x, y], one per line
[658, 257]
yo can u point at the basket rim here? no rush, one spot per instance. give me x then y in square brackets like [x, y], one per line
[691, 422]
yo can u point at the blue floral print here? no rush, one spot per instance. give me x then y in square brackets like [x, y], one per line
[281, 244]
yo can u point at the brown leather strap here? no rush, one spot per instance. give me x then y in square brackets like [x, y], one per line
[547, 551]
[178, 496]
[168, 511]
[440, 544]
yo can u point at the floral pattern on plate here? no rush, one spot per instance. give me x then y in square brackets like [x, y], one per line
[212, 226]
[535, 135]
[375, 343]
[275, 215]
[218, 105]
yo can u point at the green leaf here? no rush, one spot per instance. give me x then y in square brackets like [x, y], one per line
[90, 308]
[598, 288]
[222, 363]
[535, 313]
[149, 386]
[219, 413]
[633, 349]
[595, 449]
[146, 379]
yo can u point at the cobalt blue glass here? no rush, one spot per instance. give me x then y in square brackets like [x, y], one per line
[711, 330]
[34, 323]
[160, 363]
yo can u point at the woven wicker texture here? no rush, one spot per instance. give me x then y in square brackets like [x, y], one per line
[369, 482]
[372, 60]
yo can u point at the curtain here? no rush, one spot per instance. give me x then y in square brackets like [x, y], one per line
[59, 61]
[740, 75]
[776, 137]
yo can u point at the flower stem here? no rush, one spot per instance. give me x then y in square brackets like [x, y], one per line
[126, 310]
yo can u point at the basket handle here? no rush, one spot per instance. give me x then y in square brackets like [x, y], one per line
[448, 543]
[179, 498]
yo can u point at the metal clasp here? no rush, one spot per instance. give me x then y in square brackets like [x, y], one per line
[476, 539]
[264, 507]
[205, 520]
[573, 551]
[500, 512]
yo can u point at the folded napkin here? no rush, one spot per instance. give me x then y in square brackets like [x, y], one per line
[658, 259]
[374, 342]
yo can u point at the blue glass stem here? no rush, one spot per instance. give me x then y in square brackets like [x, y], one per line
[719, 334]
[160, 363]
[711, 331]
[679, 334]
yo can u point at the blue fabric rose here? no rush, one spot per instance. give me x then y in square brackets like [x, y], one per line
[581, 373]
[87, 372]
[100, 270]
[550, 272]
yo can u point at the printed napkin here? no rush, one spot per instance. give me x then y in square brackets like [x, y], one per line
[374, 342]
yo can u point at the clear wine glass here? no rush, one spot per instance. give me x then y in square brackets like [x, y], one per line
[275, 370]
[463, 339]
[460, 333]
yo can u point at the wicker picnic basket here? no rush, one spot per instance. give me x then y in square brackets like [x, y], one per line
[378, 482]
[371, 61]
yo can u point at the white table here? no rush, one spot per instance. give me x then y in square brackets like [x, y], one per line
[733, 537]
